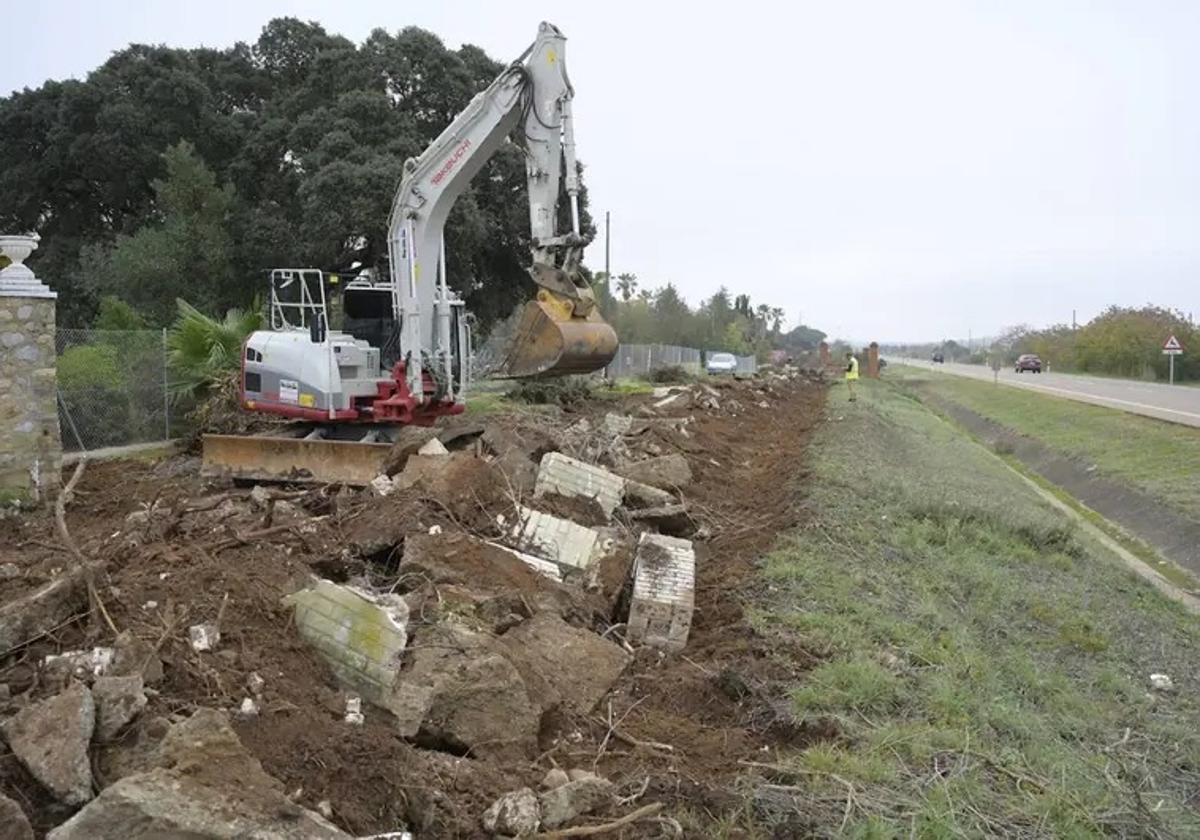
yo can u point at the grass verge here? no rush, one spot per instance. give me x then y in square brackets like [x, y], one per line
[984, 665]
[1163, 464]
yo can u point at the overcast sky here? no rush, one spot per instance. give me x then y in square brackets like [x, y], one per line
[891, 170]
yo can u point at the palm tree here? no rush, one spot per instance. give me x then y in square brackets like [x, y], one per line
[203, 350]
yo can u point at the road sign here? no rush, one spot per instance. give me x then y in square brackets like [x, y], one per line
[1172, 348]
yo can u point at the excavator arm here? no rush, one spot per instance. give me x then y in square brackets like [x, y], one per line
[561, 331]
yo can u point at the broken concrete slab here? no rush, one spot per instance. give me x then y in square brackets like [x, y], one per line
[570, 477]
[51, 739]
[554, 538]
[666, 472]
[563, 665]
[197, 781]
[459, 693]
[165, 803]
[84, 665]
[617, 424]
[132, 656]
[638, 495]
[555, 777]
[678, 400]
[433, 447]
[664, 584]
[118, 701]
[14, 825]
[672, 520]
[41, 611]
[515, 814]
[360, 634]
[567, 802]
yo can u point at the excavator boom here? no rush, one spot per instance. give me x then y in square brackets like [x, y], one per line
[559, 333]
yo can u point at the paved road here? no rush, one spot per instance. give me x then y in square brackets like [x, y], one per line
[1174, 403]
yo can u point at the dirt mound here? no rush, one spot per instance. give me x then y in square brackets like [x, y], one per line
[180, 550]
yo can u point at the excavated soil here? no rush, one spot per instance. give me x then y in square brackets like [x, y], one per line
[674, 726]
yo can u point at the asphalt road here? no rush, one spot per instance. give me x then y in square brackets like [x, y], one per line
[1174, 403]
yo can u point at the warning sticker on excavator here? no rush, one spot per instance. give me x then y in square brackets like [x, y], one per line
[289, 390]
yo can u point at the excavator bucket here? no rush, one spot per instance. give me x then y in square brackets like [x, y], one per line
[549, 340]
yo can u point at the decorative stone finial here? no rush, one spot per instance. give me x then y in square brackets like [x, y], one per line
[17, 280]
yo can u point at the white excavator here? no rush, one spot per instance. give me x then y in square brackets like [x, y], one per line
[404, 353]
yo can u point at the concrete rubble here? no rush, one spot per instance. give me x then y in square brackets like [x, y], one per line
[361, 634]
[483, 601]
[555, 539]
[203, 785]
[547, 651]
[565, 803]
[664, 583]
[118, 701]
[51, 739]
[14, 825]
[666, 472]
[514, 815]
[576, 479]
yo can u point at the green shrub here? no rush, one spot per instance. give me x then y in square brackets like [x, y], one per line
[567, 391]
[669, 375]
[202, 350]
[90, 366]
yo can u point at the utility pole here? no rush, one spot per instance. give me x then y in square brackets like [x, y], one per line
[1073, 324]
[607, 275]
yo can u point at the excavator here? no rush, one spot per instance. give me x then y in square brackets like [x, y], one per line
[404, 355]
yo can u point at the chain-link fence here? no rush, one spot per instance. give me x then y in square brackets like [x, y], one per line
[112, 388]
[639, 359]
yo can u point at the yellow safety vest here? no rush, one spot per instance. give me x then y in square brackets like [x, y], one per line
[852, 371]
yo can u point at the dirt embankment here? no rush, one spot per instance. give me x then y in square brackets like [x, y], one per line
[180, 550]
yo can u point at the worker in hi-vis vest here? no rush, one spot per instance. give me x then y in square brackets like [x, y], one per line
[851, 374]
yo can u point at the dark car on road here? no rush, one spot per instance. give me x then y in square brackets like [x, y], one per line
[1030, 362]
[939, 358]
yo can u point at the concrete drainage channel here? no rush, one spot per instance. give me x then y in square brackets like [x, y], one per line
[481, 592]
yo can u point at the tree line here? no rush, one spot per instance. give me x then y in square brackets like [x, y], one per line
[1120, 341]
[186, 173]
[724, 321]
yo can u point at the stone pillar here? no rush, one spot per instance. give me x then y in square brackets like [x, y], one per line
[824, 354]
[873, 360]
[30, 443]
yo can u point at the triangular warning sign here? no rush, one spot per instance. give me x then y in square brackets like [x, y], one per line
[1172, 343]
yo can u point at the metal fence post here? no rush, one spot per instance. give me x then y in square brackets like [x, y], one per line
[166, 390]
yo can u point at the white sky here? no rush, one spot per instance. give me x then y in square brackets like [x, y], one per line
[886, 170]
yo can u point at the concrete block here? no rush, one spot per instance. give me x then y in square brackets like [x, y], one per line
[552, 538]
[362, 635]
[569, 477]
[664, 585]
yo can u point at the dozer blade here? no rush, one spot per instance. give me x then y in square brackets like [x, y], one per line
[293, 459]
[550, 341]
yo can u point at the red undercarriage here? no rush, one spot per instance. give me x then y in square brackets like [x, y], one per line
[394, 403]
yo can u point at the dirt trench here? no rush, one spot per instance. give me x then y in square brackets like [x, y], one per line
[1170, 532]
[673, 728]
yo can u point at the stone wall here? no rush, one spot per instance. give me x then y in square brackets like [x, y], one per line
[30, 442]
